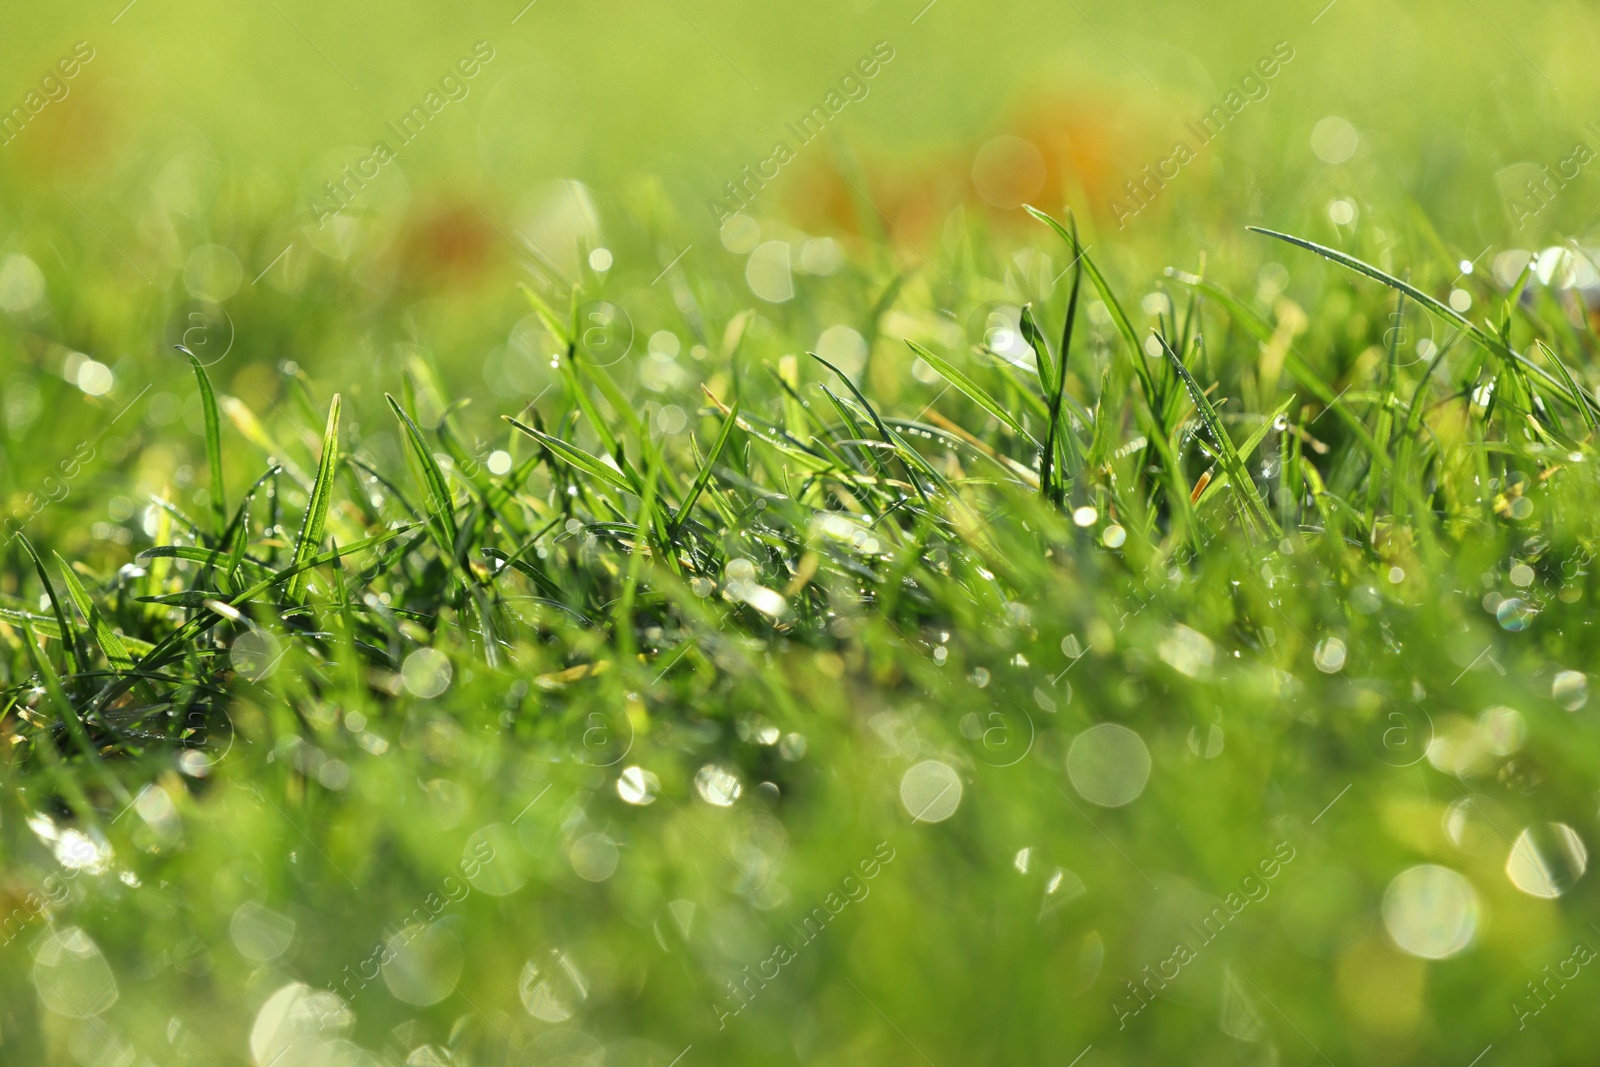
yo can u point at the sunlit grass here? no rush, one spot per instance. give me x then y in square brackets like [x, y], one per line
[569, 722]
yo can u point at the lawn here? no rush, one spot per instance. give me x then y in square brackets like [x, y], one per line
[1083, 563]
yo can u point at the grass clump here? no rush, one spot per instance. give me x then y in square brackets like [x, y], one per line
[532, 734]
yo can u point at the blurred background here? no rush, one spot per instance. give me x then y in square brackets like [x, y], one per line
[258, 156]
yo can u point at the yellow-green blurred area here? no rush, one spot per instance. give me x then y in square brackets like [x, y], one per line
[220, 123]
[194, 152]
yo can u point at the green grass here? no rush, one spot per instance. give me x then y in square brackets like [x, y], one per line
[365, 655]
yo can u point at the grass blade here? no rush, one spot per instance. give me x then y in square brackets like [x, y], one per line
[208, 402]
[1252, 505]
[71, 639]
[115, 651]
[902, 450]
[189, 630]
[1247, 449]
[973, 391]
[576, 457]
[1573, 389]
[69, 715]
[316, 516]
[1438, 307]
[561, 331]
[1044, 361]
[439, 502]
[704, 476]
[1056, 390]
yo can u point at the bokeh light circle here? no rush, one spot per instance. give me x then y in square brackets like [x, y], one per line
[931, 791]
[1109, 765]
[1431, 911]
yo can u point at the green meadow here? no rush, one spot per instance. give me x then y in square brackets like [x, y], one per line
[680, 533]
